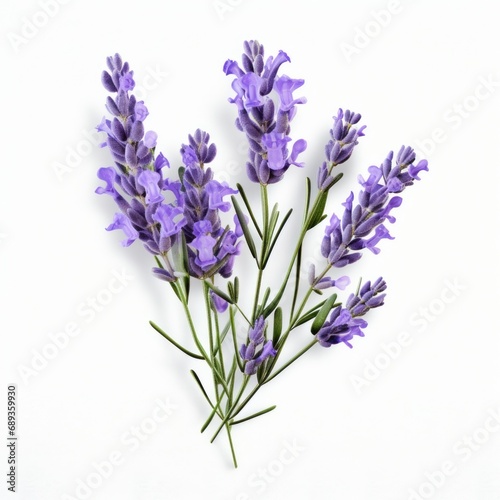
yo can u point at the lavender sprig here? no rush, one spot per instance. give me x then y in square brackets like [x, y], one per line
[345, 322]
[344, 138]
[265, 121]
[362, 224]
[180, 219]
[250, 352]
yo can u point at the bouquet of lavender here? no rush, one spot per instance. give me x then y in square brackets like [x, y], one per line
[184, 220]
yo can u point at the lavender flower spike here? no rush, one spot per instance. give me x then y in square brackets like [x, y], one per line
[211, 247]
[344, 323]
[344, 137]
[266, 122]
[250, 352]
[362, 224]
[136, 181]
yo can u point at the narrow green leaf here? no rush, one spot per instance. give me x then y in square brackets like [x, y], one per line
[308, 197]
[317, 210]
[263, 369]
[298, 263]
[224, 331]
[173, 342]
[316, 307]
[267, 292]
[305, 318]
[218, 367]
[230, 290]
[278, 232]
[323, 313]
[215, 268]
[219, 292]
[236, 289]
[249, 208]
[200, 385]
[223, 334]
[185, 263]
[272, 226]
[278, 325]
[274, 303]
[174, 286]
[262, 412]
[335, 180]
[235, 342]
[244, 227]
[268, 234]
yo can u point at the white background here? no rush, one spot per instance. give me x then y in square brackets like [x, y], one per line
[422, 68]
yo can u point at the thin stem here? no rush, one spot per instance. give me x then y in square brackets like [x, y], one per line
[209, 321]
[199, 345]
[219, 344]
[235, 343]
[229, 414]
[265, 238]
[256, 295]
[290, 361]
[265, 209]
[233, 454]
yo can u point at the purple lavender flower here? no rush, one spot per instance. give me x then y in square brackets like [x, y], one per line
[165, 215]
[211, 247]
[250, 352]
[345, 322]
[285, 86]
[362, 225]
[218, 303]
[368, 297]
[149, 181]
[326, 282]
[204, 243]
[265, 122]
[157, 210]
[341, 327]
[122, 222]
[216, 192]
[344, 138]
[136, 182]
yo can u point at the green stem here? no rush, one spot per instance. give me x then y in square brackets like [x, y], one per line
[290, 361]
[229, 413]
[256, 295]
[233, 454]
[265, 238]
[218, 349]
[199, 345]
